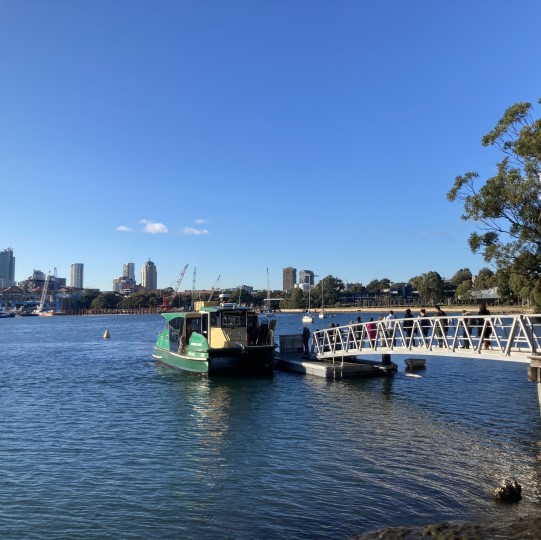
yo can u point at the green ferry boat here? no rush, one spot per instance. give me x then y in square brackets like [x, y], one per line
[216, 337]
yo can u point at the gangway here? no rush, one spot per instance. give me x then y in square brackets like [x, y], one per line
[491, 337]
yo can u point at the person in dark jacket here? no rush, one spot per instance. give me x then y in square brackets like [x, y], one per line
[442, 326]
[305, 340]
[408, 327]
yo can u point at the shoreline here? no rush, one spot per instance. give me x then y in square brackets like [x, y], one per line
[473, 309]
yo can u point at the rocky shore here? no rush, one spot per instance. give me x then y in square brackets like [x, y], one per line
[521, 528]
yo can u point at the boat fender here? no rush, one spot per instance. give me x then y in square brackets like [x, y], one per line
[106, 334]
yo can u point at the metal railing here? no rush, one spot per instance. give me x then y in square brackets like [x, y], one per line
[504, 337]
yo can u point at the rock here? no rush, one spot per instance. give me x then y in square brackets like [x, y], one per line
[509, 491]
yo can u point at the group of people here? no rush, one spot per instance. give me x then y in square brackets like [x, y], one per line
[416, 334]
[441, 328]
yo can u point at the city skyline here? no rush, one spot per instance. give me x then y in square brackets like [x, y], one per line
[236, 137]
[291, 277]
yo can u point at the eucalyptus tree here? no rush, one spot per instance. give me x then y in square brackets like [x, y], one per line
[430, 287]
[462, 275]
[507, 206]
[106, 300]
[327, 291]
[295, 299]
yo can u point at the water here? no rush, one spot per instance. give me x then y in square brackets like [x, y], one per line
[97, 441]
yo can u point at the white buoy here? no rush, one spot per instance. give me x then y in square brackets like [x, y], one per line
[106, 334]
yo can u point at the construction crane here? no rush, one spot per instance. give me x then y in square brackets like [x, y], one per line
[168, 302]
[193, 287]
[44, 292]
[214, 288]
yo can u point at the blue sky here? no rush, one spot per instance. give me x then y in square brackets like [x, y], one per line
[236, 136]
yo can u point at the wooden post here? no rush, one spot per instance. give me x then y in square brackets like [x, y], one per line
[534, 374]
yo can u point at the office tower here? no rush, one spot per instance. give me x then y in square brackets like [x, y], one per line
[306, 277]
[128, 270]
[7, 268]
[76, 277]
[289, 278]
[149, 276]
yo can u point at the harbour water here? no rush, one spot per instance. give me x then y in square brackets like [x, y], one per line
[97, 441]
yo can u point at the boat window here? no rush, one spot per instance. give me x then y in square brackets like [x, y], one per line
[252, 327]
[175, 331]
[205, 325]
[192, 325]
[233, 320]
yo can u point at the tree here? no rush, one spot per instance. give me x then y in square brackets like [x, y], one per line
[107, 300]
[295, 300]
[430, 287]
[464, 274]
[327, 291]
[463, 290]
[85, 301]
[485, 279]
[507, 207]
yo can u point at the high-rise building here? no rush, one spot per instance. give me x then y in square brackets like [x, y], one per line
[149, 276]
[7, 268]
[76, 277]
[289, 278]
[128, 270]
[306, 277]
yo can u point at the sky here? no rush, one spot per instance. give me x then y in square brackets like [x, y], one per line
[242, 135]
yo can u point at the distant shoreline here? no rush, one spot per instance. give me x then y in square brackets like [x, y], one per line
[473, 309]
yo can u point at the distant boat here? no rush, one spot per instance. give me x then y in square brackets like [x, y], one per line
[268, 308]
[307, 318]
[322, 313]
[6, 314]
[415, 363]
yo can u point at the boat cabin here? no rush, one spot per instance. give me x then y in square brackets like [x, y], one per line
[223, 325]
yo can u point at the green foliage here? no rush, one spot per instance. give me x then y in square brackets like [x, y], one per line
[430, 287]
[485, 279]
[86, 299]
[295, 300]
[327, 291]
[507, 207]
[463, 290]
[464, 274]
[378, 285]
[106, 300]
[536, 296]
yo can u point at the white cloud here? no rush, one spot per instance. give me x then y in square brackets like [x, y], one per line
[153, 227]
[123, 228]
[197, 232]
[200, 221]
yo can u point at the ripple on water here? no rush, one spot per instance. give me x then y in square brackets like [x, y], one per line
[99, 442]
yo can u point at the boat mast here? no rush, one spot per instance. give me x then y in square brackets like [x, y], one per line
[193, 286]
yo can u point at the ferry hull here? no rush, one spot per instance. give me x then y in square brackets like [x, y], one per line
[250, 360]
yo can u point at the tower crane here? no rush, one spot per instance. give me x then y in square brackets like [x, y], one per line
[168, 303]
[214, 287]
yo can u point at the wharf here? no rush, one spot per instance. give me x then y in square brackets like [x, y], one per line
[331, 369]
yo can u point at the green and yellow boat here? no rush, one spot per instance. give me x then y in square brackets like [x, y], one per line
[216, 337]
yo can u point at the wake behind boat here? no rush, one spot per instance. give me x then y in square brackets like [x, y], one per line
[214, 337]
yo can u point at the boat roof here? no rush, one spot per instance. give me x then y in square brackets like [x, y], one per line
[215, 308]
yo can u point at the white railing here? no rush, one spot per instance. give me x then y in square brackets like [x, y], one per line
[506, 337]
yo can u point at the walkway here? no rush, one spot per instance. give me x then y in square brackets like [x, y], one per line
[496, 337]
